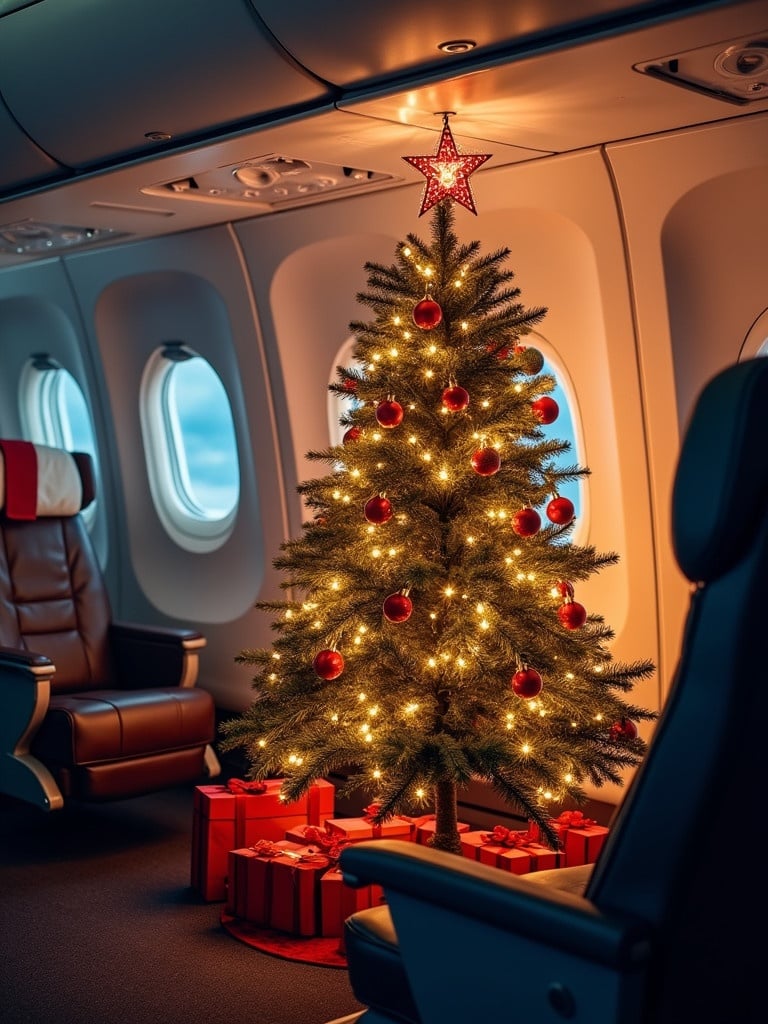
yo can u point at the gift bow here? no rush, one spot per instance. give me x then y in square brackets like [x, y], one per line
[573, 819]
[266, 848]
[502, 836]
[243, 786]
[330, 843]
[371, 812]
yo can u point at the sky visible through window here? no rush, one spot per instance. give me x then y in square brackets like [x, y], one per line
[72, 414]
[207, 432]
[563, 430]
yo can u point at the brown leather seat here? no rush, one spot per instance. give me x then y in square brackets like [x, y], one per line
[89, 708]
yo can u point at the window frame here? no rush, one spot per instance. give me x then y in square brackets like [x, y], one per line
[44, 417]
[336, 406]
[184, 519]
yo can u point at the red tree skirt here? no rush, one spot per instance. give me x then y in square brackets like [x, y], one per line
[321, 952]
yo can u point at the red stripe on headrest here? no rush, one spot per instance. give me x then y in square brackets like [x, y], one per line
[20, 479]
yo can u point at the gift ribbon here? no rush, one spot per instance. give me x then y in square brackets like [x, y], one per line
[573, 819]
[330, 843]
[502, 836]
[371, 813]
[243, 786]
[266, 848]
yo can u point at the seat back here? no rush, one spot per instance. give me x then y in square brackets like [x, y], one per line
[53, 600]
[683, 843]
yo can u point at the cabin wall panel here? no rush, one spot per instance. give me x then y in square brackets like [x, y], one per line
[189, 288]
[694, 215]
[39, 314]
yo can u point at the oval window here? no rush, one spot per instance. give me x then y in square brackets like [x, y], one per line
[54, 412]
[339, 405]
[190, 447]
[567, 427]
[756, 341]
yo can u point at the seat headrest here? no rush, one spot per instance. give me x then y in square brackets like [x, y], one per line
[720, 495]
[36, 480]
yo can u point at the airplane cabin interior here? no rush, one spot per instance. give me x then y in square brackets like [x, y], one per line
[229, 234]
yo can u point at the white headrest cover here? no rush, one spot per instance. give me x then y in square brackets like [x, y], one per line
[59, 487]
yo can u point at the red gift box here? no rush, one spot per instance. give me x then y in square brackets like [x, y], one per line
[471, 842]
[355, 830]
[249, 889]
[338, 900]
[580, 837]
[509, 858]
[561, 824]
[295, 891]
[511, 850]
[425, 828]
[228, 818]
[582, 845]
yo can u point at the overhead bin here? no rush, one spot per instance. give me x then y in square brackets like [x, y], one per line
[353, 44]
[22, 162]
[90, 81]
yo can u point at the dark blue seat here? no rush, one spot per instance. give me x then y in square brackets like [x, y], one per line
[666, 928]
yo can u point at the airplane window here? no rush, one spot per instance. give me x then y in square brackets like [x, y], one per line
[756, 341]
[338, 407]
[566, 428]
[191, 448]
[54, 411]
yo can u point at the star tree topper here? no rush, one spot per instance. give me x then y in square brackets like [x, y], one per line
[447, 172]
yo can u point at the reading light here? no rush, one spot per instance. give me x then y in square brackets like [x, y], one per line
[453, 46]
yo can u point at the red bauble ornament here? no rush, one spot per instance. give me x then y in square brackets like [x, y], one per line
[352, 434]
[526, 522]
[501, 353]
[561, 511]
[427, 314]
[486, 461]
[397, 608]
[378, 510]
[545, 409]
[527, 683]
[328, 664]
[456, 398]
[530, 359]
[623, 730]
[350, 384]
[572, 615]
[389, 413]
[564, 588]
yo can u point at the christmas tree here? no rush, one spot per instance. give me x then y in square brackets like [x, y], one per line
[432, 636]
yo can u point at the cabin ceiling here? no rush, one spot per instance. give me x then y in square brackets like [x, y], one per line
[156, 116]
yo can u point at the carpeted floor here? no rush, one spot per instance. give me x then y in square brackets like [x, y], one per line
[100, 926]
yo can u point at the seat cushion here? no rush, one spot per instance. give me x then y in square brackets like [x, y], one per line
[101, 726]
[375, 966]
[573, 880]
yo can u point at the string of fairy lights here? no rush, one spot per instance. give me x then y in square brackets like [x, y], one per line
[384, 531]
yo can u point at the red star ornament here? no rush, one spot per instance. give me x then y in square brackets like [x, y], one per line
[447, 173]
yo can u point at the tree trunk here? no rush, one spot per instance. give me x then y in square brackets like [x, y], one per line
[446, 835]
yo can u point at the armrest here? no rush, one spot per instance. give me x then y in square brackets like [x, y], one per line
[13, 658]
[477, 943]
[25, 689]
[499, 898]
[155, 655]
